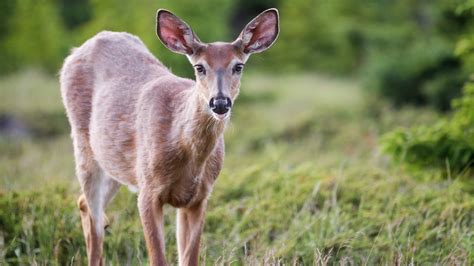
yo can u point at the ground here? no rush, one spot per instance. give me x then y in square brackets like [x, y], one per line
[304, 182]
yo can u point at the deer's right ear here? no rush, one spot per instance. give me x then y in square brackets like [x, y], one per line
[175, 34]
[260, 33]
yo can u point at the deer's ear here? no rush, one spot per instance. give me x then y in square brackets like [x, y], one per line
[175, 34]
[260, 33]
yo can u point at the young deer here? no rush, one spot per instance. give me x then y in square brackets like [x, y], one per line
[134, 123]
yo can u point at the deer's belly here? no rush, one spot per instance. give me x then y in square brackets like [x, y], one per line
[114, 151]
[119, 169]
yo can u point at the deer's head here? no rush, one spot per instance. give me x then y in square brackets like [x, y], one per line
[219, 65]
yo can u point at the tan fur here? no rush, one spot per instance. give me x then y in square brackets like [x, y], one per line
[135, 123]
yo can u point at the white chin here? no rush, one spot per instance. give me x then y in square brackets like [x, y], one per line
[222, 117]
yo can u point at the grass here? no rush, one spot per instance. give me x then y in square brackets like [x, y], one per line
[304, 183]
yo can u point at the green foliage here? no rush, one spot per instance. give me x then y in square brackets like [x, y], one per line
[36, 36]
[447, 144]
[465, 46]
[316, 35]
[420, 67]
[6, 12]
[417, 75]
[465, 50]
[74, 12]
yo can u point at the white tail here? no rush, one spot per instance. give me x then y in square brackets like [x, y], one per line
[135, 123]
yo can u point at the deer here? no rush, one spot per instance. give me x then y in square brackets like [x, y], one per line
[134, 123]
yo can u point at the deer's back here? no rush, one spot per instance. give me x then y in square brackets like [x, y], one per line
[102, 83]
[110, 63]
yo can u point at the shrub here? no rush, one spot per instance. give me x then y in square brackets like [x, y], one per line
[447, 144]
[415, 65]
[37, 39]
[417, 75]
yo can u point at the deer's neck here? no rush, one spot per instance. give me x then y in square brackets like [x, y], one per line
[197, 131]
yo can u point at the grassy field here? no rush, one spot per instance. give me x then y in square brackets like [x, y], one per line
[304, 183]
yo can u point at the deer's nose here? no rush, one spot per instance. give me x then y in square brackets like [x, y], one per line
[220, 105]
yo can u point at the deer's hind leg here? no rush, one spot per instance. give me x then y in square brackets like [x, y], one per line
[98, 189]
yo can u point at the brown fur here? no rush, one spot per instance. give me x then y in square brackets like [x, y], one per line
[135, 123]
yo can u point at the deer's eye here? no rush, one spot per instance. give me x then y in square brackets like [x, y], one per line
[238, 68]
[200, 69]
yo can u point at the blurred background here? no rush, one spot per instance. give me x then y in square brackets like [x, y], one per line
[403, 49]
[352, 140]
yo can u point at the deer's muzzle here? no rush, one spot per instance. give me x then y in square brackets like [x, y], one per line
[220, 105]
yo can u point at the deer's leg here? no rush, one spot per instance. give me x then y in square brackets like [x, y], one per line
[151, 215]
[91, 205]
[92, 234]
[111, 189]
[98, 190]
[182, 232]
[190, 224]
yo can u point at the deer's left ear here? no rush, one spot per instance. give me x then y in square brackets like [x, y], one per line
[260, 33]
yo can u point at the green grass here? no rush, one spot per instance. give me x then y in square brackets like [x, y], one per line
[304, 182]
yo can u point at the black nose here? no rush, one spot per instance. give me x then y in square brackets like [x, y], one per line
[220, 105]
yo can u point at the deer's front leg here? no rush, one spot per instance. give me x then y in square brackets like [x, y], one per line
[190, 224]
[151, 215]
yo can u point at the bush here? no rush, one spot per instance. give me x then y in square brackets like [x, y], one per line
[420, 67]
[418, 75]
[35, 36]
[448, 144]
[318, 35]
